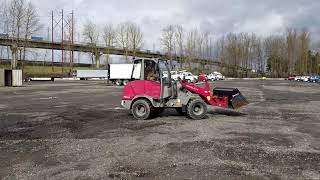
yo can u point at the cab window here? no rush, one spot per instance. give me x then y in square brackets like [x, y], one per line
[150, 72]
[136, 74]
[163, 69]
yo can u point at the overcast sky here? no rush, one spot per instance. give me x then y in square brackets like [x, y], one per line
[263, 17]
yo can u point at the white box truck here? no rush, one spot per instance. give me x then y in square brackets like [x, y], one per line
[120, 74]
[92, 74]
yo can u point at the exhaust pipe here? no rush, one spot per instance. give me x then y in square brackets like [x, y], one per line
[236, 99]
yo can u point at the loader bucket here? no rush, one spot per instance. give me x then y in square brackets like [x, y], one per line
[235, 98]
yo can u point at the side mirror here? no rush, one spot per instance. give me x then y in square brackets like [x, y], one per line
[202, 78]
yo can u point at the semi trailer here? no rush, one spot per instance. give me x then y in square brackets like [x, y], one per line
[92, 74]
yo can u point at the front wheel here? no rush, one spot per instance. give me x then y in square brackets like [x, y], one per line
[197, 109]
[141, 109]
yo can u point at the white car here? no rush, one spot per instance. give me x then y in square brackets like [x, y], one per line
[217, 75]
[175, 75]
[297, 78]
[212, 77]
[189, 77]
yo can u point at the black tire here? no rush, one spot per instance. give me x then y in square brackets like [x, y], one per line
[125, 82]
[118, 82]
[196, 109]
[142, 109]
[189, 81]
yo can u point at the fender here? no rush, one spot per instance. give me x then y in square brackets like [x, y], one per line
[153, 102]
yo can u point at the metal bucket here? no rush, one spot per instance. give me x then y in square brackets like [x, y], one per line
[235, 98]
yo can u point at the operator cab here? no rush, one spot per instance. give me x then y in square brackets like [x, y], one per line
[155, 71]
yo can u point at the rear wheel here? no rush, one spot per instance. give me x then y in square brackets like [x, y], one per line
[141, 109]
[197, 109]
[118, 82]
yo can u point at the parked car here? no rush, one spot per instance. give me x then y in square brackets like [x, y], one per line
[189, 77]
[291, 78]
[305, 78]
[212, 77]
[314, 79]
[183, 75]
[176, 75]
[218, 75]
[298, 78]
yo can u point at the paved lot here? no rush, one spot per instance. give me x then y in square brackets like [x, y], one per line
[76, 130]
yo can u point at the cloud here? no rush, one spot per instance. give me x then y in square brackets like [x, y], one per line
[263, 17]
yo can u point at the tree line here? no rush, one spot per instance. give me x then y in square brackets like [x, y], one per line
[244, 54]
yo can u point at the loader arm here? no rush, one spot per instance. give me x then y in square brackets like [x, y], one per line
[221, 97]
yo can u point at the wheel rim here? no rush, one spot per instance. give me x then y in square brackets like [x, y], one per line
[141, 110]
[198, 109]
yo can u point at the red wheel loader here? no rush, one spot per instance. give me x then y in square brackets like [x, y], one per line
[152, 90]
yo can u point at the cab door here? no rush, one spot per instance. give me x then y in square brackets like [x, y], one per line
[165, 79]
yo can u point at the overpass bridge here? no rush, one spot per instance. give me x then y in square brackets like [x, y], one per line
[15, 43]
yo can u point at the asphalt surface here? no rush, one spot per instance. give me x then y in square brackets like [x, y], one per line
[77, 130]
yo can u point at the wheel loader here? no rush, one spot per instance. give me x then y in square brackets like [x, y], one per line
[151, 90]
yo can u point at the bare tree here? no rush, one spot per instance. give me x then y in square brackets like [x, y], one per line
[91, 35]
[276, 54]
[16, 13]
[20, 21]
[179, 39]
[31, 24]
[168, 41]
[109, 36]
[4, 25]
[260, 63]
[304, 38]
[135, 37]
[123, 38]
[191, 47]
[292, 47]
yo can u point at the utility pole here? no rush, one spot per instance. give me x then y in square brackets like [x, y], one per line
[62, 38]
[72, 39]
[52, 51]
[78, 51]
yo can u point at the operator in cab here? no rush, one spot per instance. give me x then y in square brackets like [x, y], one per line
[151, 74]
